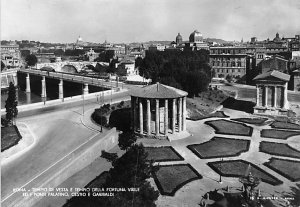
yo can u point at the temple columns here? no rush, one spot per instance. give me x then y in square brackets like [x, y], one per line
[135, 100]
[166, 117]
[141, 116]
[266, 96]
[157, 117]
[173, 116]
[179, 114]
[257, 95]
[28, 83]
[184, 113]
[148, 117]
[275, 97]
[44, 93]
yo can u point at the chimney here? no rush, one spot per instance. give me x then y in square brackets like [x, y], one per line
[157, 86]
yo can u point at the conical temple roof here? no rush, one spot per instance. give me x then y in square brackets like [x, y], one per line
[159, 91]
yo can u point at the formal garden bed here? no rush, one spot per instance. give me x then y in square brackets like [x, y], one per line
[170, 178]
[285, 125]
[280, 149]
[287, 168]
[163, 154]
[10, 136]
[239, 168]
[220, 147]
[230, 128]
[255, 121]
[278, 134]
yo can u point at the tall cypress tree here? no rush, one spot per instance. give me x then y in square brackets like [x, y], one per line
[11, 103]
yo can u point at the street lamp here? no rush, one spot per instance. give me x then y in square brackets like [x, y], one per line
[220, 167]
[82, 98]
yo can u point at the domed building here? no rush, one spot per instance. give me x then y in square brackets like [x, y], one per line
[178, 39]
[79, 40]
[196, 41]
[196, 37]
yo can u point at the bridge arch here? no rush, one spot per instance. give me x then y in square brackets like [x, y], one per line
[47, 68]
[69, 68]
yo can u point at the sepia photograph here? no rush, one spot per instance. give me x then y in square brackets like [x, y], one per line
[150, 103]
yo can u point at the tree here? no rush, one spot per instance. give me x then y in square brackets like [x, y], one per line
[129, 171]
[138, 62]
[126, 140]
[135, 170]
[31, 60]
[174, 67]
[229, 78]
[2, 65]
[112, 66]
[11, 104]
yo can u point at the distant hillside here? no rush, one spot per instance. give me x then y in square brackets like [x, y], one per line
[220, 41]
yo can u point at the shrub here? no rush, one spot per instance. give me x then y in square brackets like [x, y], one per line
[120, 119]
[110, 157]
[99, 119]
[126, 140]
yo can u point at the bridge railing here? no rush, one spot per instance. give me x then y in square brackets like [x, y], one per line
[72, 77]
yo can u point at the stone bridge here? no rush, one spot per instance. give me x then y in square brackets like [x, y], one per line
[85, 80]
[60, 66]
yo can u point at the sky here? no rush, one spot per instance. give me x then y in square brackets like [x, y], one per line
[127, 21]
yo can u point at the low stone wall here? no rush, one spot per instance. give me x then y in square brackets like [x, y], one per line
[68, 102]
[66, 167]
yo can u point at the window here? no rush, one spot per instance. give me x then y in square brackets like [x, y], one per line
[232, 64]
[227, 70]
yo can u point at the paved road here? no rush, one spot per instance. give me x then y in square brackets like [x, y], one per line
[58, 133]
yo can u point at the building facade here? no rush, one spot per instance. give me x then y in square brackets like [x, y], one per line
[10, 55]
[275, 62]
[228, 61]
[128, 67]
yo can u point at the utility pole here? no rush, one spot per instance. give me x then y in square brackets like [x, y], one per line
[82, 99]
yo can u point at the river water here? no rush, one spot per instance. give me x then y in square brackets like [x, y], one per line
[22, 97]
